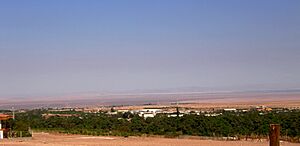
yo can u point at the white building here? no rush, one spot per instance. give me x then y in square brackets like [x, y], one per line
[147, 115]
[230, 110]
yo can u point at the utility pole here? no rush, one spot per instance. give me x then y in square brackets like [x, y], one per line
[274, 134]
[13, 110]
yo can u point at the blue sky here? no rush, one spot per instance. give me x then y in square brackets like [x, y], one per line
[65, 46]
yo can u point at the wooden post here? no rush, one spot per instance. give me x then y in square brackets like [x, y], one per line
[274, 134]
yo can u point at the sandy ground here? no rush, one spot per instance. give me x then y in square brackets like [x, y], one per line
[46, 139]
[196, 99]
[233, 101]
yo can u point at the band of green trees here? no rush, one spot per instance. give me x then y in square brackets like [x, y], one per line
[247, 124]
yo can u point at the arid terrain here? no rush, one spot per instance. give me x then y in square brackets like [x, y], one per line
[186, 99]
[50, 139]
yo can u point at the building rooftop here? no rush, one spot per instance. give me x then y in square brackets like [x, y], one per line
[5, 117]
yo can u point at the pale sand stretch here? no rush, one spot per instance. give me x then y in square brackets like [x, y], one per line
[46, 139]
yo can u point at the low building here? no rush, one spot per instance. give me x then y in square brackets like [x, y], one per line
[175, 115]
[147, 115]
[230, 110]
[4, 130]
[212, 115]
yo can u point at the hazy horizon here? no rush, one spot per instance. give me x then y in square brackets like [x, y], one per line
[73, 46]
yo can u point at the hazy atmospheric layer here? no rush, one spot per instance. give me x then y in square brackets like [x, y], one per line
[61, 47]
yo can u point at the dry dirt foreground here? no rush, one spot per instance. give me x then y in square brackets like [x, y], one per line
[50, 139]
